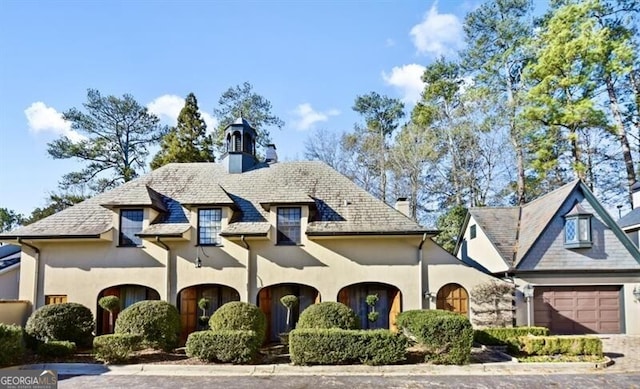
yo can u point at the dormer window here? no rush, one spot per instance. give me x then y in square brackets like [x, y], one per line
[577, 228]
[289, 225]
[130, 225]
[209, 225]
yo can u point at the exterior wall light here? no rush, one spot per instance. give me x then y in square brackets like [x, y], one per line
[428, 295]
[528, 294]
[198, 262]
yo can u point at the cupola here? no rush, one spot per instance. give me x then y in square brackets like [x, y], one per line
[240, 146]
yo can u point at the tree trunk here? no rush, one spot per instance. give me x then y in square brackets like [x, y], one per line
[622, 135]
[514, 134]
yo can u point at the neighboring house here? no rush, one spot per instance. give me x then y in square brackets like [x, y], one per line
[582, 268]
[240, 230]
[630, 222]
[9, 271]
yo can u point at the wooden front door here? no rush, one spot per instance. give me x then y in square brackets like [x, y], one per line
[188, 312]
[454, 298]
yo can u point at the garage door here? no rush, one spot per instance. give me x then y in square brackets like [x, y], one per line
[578, 309]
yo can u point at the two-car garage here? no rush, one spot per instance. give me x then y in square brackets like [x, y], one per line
[578, 309]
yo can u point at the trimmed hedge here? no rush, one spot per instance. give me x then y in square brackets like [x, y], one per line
[328, 314]
[157, 322]
[235, 346]
[240, 316]
[56, 348]
[67, 321]
[114, 348]
[11, 344]
[447, 336]
[509, 336]
[335, 346]
[565, 345]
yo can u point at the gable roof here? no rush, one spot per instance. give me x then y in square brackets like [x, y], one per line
[501, 227]
[514, 230]
[339, 206]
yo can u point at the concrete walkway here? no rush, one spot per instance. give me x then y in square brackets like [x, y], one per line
[624, 351]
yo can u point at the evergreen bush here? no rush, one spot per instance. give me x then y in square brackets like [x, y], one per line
[446, 336]
[67, 321]
[157, 322]
[328, 314]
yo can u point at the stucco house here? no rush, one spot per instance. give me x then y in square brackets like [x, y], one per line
[240, 229]
[567, 252]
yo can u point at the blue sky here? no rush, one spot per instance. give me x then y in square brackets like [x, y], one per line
[310, 59]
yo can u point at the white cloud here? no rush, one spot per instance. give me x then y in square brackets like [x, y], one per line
[210, 121]
[407, 79]
[43, 119]
[438, 34]
[307, 116]
[168, 107]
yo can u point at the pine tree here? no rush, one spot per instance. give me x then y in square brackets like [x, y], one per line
[188, 140]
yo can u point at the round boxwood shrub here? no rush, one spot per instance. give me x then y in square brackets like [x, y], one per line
[238, 315]
[67, 321]
[328, 314]
[157, 322]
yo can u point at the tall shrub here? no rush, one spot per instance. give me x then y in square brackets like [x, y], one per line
[157, 322]
[446, 336]
[67, 321]
[11, 344]
[492, 304]
[238, 315]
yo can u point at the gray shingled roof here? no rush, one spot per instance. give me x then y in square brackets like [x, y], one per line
[501, 227]
[340, 205]
[503, 224]
[630, 219]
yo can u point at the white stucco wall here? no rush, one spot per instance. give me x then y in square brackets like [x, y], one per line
[480, 249]
[9, 278]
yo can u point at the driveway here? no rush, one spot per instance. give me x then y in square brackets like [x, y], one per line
[624, 350]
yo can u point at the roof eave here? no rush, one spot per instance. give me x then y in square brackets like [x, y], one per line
[372, 233]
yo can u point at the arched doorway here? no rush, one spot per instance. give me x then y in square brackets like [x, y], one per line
[388, 305]
[269, 302]
[454, 298]
[128, 294]
[190, 313]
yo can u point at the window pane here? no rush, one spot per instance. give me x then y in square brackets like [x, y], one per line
[570, 230]
[130, 225]
[584, 230]
[289, 225]
[209, 222]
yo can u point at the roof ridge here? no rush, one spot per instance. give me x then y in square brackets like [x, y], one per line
[562, 187]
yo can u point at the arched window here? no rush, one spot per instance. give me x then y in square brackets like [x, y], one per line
[237, 141]
[228, 142]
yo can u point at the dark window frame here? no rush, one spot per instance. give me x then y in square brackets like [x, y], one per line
[215, 239]
[289, 226]
[473, 231]
[127, 237]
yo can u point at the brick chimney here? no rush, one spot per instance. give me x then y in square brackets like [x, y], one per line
[271, 156]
